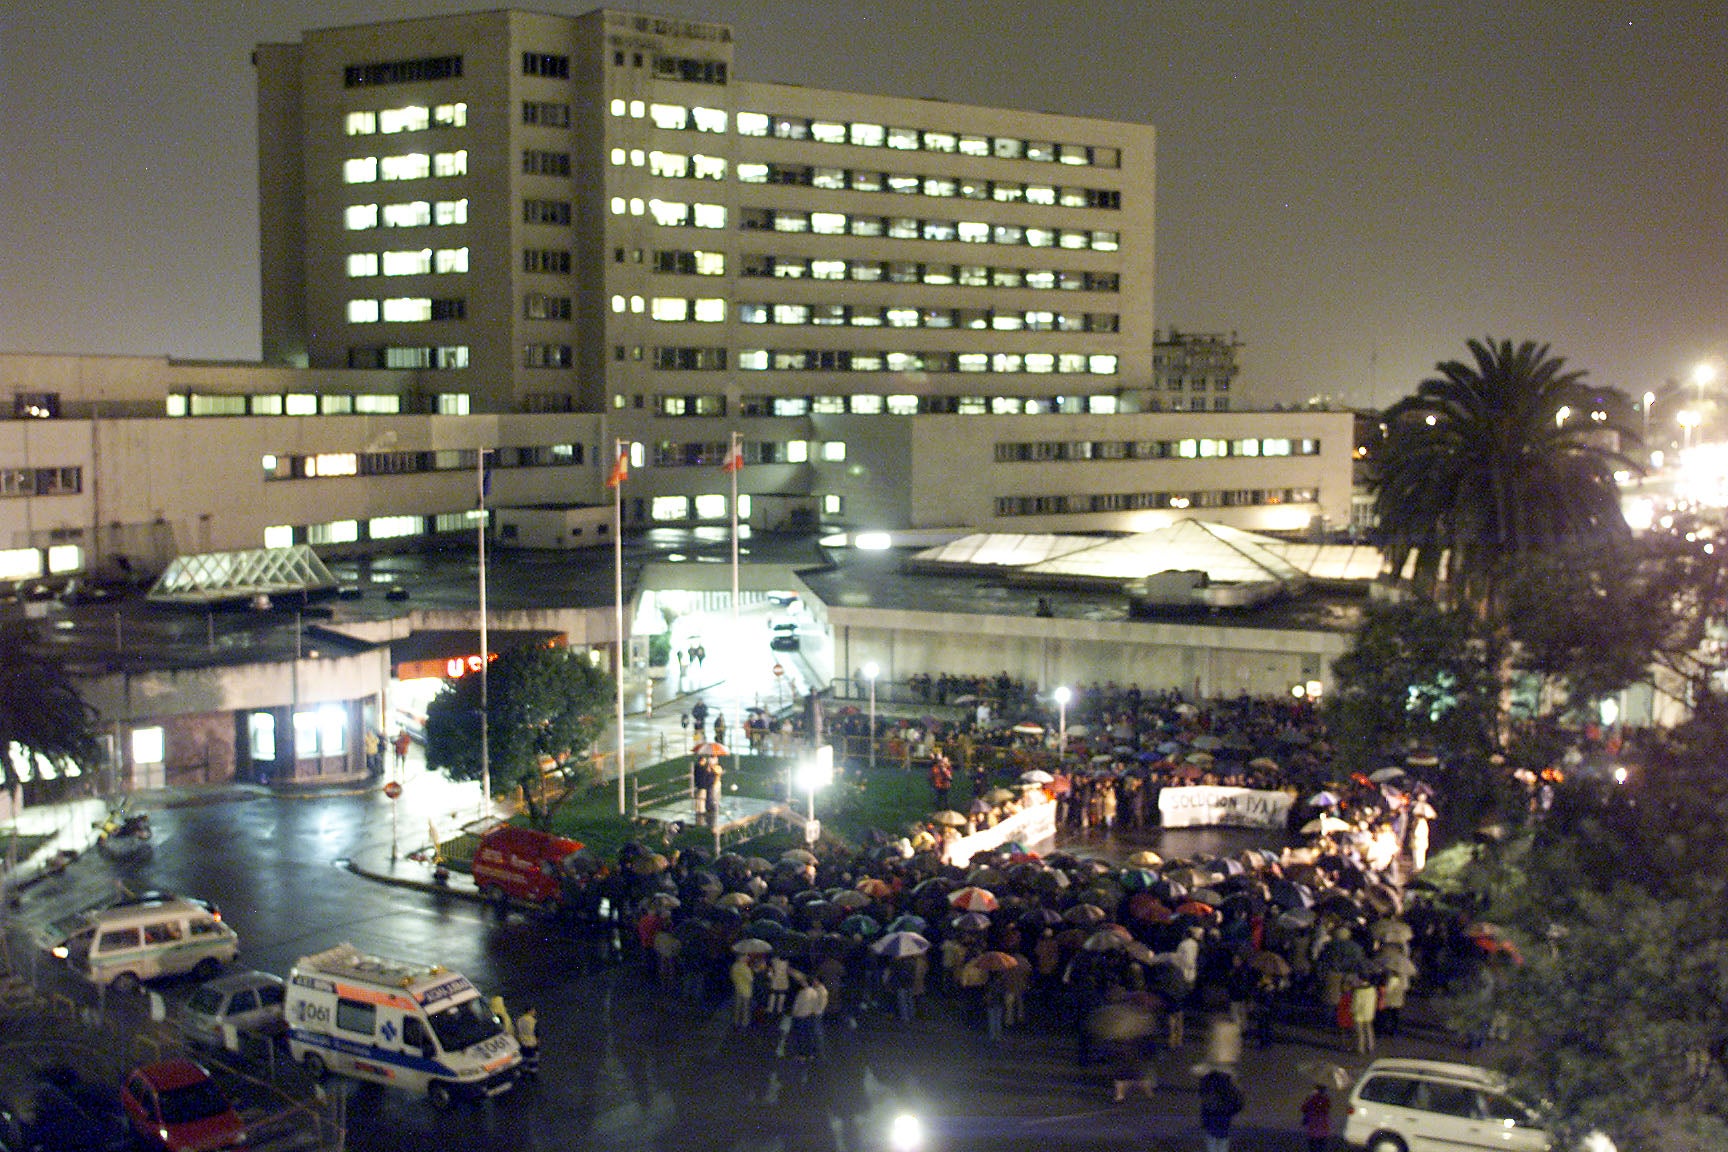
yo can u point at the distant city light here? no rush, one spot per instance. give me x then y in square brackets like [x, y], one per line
[872, 541]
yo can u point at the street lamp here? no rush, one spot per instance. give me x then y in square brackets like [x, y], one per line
[815, 772]
[1063, 695]
[1688, 420]
[1649, 399]
[871, 671]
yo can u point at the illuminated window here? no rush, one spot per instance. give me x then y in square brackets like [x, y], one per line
[335, 532]
[410, 119]
[709, 119]
[710, 310]
[261, 728]
[710, 216]
[1275, 447]
[797, 451]
[279, 536]
[974, 146]
[1101, 365]
[450, 163]
[411, 263]
[359, 217]
[752, 173]
[831, 504]
[149, 745]
[362, 311]
[414, 214]
[391, 527]
[617, 106]
[450, 115]
[672, 165]
[672, 116]
[360, 170]
[865, 403]
[828, 223]
[669, 308]
[360, 123]
[670, 213]
[451, 260]
[65, 558]
[301, 404]
[752, 124]
[833, 451]
[827, 132]
[407, 309]
[638, 109]
[868, 135]
[411, 166]
[710, 507]
[333, 464]
[903, 138]
[447, 212]
[669, 508]
[902, 405]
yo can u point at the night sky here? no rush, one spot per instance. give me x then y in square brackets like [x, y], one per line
[1355, 189]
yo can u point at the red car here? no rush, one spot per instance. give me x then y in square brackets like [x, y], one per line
[175, 1105]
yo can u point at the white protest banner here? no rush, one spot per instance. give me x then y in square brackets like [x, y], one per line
[1204, 805]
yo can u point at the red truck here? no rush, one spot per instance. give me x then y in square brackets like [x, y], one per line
[515, 863]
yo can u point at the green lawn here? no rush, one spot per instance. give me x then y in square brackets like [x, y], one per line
[889, 799]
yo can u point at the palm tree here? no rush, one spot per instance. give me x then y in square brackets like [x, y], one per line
[1496, 460]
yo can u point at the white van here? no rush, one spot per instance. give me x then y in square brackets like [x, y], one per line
[124, 945]
[417, 1026]
[1434, 1106]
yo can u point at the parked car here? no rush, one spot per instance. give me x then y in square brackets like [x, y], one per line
[175, 1105]
[1434, 1106]
[249, 1001]
[61, 1112]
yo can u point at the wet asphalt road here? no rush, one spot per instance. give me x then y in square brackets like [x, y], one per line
[627, 1067]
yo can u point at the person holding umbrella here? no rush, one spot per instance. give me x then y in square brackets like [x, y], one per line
[1317, 1118]
[1220, 1100]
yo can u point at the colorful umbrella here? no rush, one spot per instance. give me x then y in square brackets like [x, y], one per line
[898, 944]
[974, 900]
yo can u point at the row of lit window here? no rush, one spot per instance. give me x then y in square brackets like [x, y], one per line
[377, 528]
[405, 310]
[408, 262]
[916, 272]
[672, 213]
[1197, 383]
[866, 135]
[33, 563]
[279, 404]
[409, 118]
[697, 454]
[407, 166]
[410, 214]
[673, 165]
[972, 319]
[673, 117]
[913, 228]
[872, 404]
[1146, 501]
[828, 360]
[439, 356]
[949, 187]
[1191, 448]
[676, 117]
[68, 481]
[287, 466]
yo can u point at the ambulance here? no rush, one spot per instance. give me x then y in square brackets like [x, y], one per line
[419, 1027]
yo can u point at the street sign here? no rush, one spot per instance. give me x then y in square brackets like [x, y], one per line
[392, 789]
[779, 669]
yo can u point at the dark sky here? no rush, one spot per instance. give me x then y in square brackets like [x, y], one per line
[1354, 188]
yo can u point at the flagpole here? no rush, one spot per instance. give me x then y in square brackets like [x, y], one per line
[617, 481]
[734, 464]
[485, 718]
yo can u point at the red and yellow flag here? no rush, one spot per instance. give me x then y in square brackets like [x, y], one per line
[620, 471]
[734, 459]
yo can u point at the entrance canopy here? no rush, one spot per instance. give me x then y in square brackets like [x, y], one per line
[214, 577]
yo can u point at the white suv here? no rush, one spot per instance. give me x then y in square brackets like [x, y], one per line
[1432, 1106]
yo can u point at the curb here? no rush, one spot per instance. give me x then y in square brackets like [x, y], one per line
[412, 885]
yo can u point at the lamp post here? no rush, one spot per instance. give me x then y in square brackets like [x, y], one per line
[871, 671]
[1063, 695]
[1649, 399]
[1688, 420]
[814, 772]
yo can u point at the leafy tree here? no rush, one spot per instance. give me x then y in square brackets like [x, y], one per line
[1619, 1013]
[1492, 460]
[545, 708]
[1417, 675]
[42, 714]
